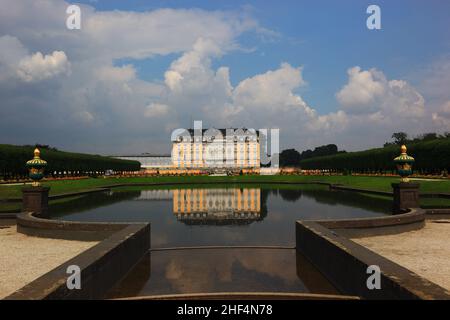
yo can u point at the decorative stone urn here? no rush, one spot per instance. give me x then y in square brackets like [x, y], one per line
[406, 193]
[35, 198]
[36, 166]
[404, 164]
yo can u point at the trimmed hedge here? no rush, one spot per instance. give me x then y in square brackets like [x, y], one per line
[13, 159]
[431, 157]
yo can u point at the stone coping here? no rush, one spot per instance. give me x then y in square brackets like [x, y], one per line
[437, 211]
[325, 243]
[372, 226]
[360, 190]
[413, 216]
[7, 215]
[113, 235]
[28, 219]
[345, 264]
[29, 224]
[102, 266]
[388, 193]
[52, 284]
[435, 195]
[244, 296]
[62, 195]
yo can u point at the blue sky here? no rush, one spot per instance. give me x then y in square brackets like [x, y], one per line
[136, 70]
[325, 37]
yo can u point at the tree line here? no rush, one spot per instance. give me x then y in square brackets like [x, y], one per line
[13, 159]
[432, 157]
[292, 158]
[400, 138]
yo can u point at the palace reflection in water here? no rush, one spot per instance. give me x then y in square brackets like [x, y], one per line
[217, 206]
[219, 215]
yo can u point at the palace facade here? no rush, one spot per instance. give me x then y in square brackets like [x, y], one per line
[205, 150]
[227, 149]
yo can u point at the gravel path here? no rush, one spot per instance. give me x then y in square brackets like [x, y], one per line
[425, 251]
[24, 258]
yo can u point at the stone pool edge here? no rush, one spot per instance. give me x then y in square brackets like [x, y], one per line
[332, 186]
[102, 266]
[345, 263]
[323, 233]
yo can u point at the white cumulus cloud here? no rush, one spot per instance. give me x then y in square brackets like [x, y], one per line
[370, 92]
[363, 88]
[123, 108]
[273, 88]
[39, 67]
[441, 118]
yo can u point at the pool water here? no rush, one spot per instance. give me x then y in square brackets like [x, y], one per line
[190, 271]
[252, 227]
[248, 215]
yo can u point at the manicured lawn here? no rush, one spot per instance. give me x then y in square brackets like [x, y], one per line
[373, 183]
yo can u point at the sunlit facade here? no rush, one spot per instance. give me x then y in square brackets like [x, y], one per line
[216, 149]
[212, 150]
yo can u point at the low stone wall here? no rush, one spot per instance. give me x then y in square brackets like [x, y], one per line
[7, 215]
[386, 193]
[437, 211]
[413, 216]
[30, 225]
[435, 195]
[61, 195]
[345, 264]
[368, 191]
[102, 266]
[342, 261]
[245, 296]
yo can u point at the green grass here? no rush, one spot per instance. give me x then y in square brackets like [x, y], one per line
[10, 206]
[373, 183]
[434, 203]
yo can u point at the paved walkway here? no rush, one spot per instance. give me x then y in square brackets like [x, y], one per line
[24, 258]
[425, 251]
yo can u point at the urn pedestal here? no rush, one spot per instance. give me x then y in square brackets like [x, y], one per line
[35, 199]
[406, 196]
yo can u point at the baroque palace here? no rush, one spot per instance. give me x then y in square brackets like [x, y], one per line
[216, 149]
[212, 150]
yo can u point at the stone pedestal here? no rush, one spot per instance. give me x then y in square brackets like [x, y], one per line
[35, 199]
[406, 196]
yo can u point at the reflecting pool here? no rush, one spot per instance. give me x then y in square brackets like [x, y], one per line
[257, 215]
[222, 270]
